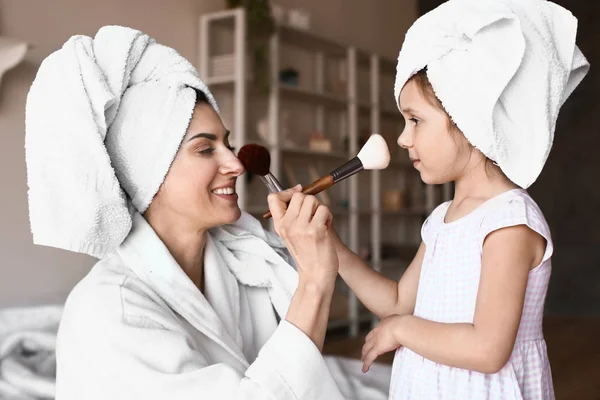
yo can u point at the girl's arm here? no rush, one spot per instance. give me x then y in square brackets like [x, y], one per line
[381, 295]
[486, 344]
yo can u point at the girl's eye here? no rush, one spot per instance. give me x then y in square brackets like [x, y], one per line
[209, 151]
[414, 120]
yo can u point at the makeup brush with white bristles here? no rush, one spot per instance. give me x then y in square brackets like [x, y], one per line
[372, 156]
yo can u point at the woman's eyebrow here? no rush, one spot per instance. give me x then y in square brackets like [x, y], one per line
[208, 136]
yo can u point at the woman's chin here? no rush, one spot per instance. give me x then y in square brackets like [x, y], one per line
[237, 213]
[232, 215]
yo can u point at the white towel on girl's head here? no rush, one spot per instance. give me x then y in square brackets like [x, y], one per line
[104, 120]
[502, 69]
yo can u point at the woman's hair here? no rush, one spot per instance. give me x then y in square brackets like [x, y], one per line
[201, 97]
[422, 82]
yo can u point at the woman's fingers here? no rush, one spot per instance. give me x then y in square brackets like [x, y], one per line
[295, 205]
[322, 217]
[309, 206]
[278, 202]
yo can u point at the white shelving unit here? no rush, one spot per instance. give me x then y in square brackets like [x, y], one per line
[224, 34]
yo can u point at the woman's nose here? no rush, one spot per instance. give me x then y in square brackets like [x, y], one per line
[232, 165]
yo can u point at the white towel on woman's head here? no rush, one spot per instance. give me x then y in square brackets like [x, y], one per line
[104, 119]
[502, 69]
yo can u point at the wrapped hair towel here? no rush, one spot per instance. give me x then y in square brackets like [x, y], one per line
[105, 117]
[502, 69]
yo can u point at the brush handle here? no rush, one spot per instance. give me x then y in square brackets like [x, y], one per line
[316, 187]
[271, 183]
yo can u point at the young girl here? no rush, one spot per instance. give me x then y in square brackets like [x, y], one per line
[479, 83]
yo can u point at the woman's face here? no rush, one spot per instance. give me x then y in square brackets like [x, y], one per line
[200, 185]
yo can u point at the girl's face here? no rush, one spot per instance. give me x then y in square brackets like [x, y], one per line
[200, 185]
[439, 154]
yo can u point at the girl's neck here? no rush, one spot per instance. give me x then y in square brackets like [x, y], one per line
[481, 182]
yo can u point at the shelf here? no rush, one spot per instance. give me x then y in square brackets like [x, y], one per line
[342, 323]
[222, 16]
[391, 113]
[308, 40]
[224, 80]
[386, 112]
[402, 253]
[288, 92]
[298, 37]
[325, 106]
[312, 96]
[388, 66]
[400, 165]
[338, 313]
[312, 153]
[408, 212]
[364, 107]
[339, 211]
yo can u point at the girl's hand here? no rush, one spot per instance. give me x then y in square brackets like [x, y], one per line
[382, 339]
[304, 225]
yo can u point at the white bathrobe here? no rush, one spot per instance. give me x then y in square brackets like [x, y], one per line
[137, 328]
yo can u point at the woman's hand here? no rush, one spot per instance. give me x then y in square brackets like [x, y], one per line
[382, 339]
[304, 225]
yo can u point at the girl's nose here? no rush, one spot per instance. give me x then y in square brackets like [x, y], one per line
[405, 140]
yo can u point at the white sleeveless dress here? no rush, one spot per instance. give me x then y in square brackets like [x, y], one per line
[447, 293]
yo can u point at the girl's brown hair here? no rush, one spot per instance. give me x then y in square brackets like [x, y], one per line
[422, 82]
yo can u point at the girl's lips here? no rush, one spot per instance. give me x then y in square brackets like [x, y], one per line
[416, 162]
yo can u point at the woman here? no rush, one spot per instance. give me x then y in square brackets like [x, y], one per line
[128, 160]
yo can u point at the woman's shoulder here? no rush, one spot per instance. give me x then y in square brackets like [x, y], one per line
[111, 294]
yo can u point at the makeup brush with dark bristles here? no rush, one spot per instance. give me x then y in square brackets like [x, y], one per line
[257, 160]
[372, 156]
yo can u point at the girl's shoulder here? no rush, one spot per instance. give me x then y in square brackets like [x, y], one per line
[512, 208]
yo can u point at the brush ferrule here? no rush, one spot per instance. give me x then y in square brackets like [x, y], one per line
[271, 183]
[350, 168]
